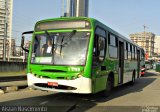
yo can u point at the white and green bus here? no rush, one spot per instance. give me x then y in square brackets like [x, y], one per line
[80, 55]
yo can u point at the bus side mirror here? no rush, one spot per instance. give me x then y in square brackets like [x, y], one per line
[23, 39]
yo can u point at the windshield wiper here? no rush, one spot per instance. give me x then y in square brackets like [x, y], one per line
[69, 36]
[48, 35]
[61, 45]
[36, 39]
[36, 44]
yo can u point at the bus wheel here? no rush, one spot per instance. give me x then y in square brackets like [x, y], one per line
[109, 86]
[133, 78]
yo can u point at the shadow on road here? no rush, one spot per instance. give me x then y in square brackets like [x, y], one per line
[149, 74]
[62, 102]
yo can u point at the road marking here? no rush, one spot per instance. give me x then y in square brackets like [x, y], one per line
[43, 103]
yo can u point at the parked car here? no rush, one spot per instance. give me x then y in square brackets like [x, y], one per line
[154, 66]
[148, 65]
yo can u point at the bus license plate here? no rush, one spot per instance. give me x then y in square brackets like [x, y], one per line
[52, 84]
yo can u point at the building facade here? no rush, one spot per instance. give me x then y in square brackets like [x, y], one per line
[75, 8]
[157, 45]
[6, 7]
[146, 40]
[12, 52]
[18, 51]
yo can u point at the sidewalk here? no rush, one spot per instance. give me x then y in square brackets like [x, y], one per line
[153, 71]
[12, 82]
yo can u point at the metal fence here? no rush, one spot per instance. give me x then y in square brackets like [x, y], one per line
[12, 66]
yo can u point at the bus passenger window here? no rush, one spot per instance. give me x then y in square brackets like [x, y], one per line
[99, 50]
[113, 46]
[129, 52]
[135, 53]
[126, 50]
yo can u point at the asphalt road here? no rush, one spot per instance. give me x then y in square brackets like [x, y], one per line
[144, 96]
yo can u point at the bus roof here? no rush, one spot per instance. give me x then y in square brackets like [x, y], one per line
[92, 20]
[116, 33]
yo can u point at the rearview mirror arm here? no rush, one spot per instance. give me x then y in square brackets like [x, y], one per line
[22, 41]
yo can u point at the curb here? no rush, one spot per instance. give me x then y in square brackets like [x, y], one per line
[11, 86]
[1, 91]
[10, 89]
[153, 71]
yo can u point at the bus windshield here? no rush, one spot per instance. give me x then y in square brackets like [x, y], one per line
[60, 48]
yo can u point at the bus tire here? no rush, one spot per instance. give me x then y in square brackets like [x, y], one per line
[133, 78]
[109, 86]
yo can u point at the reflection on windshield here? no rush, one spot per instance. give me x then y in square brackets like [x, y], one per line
[67, 49]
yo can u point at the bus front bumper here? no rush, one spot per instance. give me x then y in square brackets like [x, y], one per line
[79, 85]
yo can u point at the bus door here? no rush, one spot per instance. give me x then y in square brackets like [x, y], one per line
[138, 63]
[99, 68]
[121, 62]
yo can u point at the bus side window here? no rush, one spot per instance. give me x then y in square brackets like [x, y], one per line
[135, 53]
[129, 52]
[99, 50]
[126, 50]
[113, 46]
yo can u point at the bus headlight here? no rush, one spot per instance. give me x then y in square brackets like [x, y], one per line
[37, 75]
[73, 78]
[41, 77]
[79, 75]
[67, 78]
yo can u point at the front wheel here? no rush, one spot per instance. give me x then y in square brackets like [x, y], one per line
[109, 86]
